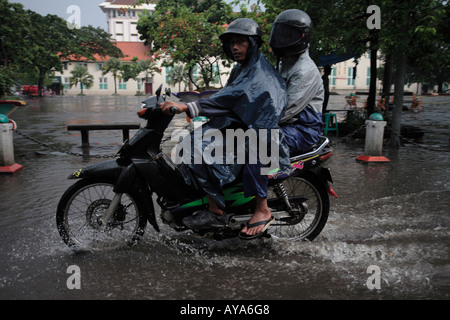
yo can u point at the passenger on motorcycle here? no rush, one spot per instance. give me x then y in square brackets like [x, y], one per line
[302, 123]
[254, 97]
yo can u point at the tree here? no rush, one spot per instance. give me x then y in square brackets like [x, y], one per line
[408, 24]
[187, 32]
[114, 66]
[178, 75]
[80, 75]
[130, 70]
[32, 42]
[15, 25]
[429, 62]
[149, 67]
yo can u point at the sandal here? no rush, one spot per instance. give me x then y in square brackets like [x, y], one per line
[266, 224]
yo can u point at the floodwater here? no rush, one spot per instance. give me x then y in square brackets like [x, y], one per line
[390, 223]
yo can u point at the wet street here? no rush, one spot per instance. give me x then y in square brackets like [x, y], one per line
[392, 218]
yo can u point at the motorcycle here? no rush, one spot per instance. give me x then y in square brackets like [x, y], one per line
[112, 201]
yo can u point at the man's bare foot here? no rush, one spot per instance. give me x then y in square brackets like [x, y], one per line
[262, 213]
[257, 217]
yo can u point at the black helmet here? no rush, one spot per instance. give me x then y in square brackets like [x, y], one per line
[291, 33]
[241, 26]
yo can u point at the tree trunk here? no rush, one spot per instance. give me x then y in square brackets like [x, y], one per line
[371, 99]
[387, 76]
[41, 82]
[115, 84]
[398, 98]
[440, 86]
[326, 88]
[191, 78]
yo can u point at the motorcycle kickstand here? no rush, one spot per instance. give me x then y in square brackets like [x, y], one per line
[111, 209]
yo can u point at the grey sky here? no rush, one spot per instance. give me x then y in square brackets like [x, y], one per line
[90, 12]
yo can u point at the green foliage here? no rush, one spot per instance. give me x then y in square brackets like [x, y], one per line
[178, 75]
[187, 32]
[35, 42]
[80, 75]
[114, 66]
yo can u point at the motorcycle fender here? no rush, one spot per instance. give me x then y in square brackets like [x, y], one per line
[126, 179]
[146, 195]
[325, 173]
[109, 169]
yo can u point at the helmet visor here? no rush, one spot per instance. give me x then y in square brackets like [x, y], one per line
[284, 35]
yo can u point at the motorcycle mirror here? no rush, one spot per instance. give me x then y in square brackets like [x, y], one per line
[158, 91]
[168, 92]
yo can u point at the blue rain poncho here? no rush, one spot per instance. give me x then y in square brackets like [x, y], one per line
[254, 98]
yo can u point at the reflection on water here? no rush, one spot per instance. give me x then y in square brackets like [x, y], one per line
[394, 216]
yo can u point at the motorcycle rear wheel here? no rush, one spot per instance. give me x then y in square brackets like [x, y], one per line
[84, 203]
[314, 210]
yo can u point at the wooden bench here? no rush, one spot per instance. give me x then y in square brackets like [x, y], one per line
[85, 128]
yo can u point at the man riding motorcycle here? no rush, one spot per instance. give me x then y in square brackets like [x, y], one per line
[253, 98]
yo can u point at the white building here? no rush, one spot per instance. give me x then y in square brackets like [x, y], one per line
[122, 18]
[344, 81]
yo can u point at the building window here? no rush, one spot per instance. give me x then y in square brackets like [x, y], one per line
[139, 84]
[333, 76]
[133, 32]
[350, 78]
[103, 83]
[195, 74]
[99, 66]
[119, 30]
[167, 78]
[122, 85]
[368, 77]
[216, 73]
[66, 83]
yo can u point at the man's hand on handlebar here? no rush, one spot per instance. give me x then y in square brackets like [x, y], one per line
[170, 107]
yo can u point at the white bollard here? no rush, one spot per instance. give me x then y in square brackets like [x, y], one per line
[6, 145]
[374, 137]
[7, 164]
[373, 147]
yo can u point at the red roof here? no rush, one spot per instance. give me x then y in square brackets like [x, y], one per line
[134, 49]
[129, 49]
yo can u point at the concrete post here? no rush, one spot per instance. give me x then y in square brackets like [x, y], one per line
[374, 137]
[374, 142]
[6, 145]
[7, 165]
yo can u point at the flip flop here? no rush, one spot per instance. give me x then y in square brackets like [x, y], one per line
[266, 224]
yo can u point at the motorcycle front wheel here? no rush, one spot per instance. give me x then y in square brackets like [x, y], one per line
[79, 213]
[310, 201]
